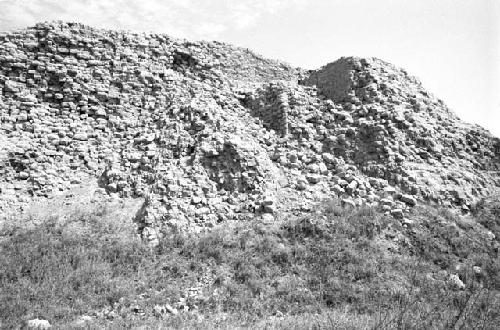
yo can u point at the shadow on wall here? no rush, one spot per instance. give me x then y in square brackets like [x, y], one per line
[271, 105]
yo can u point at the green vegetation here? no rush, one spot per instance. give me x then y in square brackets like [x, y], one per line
[339, 268]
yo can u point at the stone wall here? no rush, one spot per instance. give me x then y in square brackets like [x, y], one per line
[271, 105]
[334, 80]
[206, 132]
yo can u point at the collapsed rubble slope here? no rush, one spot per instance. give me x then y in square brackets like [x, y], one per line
[207, 132]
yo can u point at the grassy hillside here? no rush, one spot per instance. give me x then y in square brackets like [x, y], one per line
[338, 268]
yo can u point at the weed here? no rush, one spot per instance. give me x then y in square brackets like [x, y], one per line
[335, 261]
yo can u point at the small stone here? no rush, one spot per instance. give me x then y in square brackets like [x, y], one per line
[389, 191]
[80, 137]
[267, 218]
[313, 168]
[137, 309]
[301, 184]
[159, 310]
[328, 158]
[348, 202]
[322, 168]
[23, 175]
[101, 112]
[338, 189]
[343, 183]
[171, 310]
[269, 208]
[351, 187]
[397, 213]
[456, 282]
[408, 200]
[407, 222]
[313, 178]
[82, 321]
[386, 201]
[268, 200]
[38, 324]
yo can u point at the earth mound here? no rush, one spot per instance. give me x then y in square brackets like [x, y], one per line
[206, 132]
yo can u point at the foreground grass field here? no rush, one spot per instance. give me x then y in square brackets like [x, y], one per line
[339, 268]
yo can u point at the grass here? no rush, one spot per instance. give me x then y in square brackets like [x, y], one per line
[340, 268]
[57, 271]
[487, 212]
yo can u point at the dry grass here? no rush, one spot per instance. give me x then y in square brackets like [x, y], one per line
[339, 269]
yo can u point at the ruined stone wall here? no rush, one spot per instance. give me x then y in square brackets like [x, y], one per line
[207, 132]
[333, 80]
[131, 110]
[271, 105]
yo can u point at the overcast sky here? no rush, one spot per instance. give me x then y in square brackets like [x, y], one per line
[453, 46]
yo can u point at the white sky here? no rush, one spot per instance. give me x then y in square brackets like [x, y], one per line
[453, 46]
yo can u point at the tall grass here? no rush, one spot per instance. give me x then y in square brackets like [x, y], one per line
[352, 268]
[55, 273]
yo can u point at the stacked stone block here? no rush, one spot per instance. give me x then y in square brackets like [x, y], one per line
[208, 132]
[271, 106]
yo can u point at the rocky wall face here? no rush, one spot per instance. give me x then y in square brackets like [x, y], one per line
[271, 105]
[80, 103]
[207, 132]
[335, 80]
